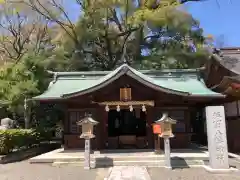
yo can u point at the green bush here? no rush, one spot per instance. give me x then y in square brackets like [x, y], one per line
[45, 134]
[11, 139]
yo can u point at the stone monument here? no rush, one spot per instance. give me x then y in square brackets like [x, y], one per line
[166, 133]
[87, 124]
[217, 140]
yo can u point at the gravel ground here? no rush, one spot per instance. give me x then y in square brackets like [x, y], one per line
[194, 173]
[25, 171]
[189, 174]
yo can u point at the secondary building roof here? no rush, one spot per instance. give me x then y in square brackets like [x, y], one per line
[224, 76]
[230, 58]
[179, 82]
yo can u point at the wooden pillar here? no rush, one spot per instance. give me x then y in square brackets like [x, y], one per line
[187, 116]
[187, 120]
[150, 136]
[65, 126]
[104, 128]
[101, 129]
[97, 129]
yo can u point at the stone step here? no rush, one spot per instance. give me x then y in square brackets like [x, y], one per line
[128, 158]
[148, 163]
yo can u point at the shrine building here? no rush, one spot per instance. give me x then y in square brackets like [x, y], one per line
[126, 102]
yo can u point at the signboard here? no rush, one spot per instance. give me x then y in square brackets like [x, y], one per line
[217, 141]
[125, 94]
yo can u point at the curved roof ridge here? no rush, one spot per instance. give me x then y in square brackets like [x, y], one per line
[99, 73]
[129, 71]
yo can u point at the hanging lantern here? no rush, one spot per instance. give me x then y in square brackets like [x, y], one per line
[143, 108]
[107, 108]
[131, 108]
[118, 108]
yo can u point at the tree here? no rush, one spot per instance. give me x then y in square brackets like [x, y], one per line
[21, 81]
[109, 32]
[20, 33]
[39, 35]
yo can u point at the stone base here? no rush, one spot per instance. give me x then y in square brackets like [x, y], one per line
[87, 168]
[211, 170]
[156, 151]
[168, 167]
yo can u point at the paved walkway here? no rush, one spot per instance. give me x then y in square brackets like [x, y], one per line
[189, 174]
[129, 173]
[25, 171]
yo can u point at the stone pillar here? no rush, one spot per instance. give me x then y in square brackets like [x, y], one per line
[217, 141]
[167, 153]
[87, 154]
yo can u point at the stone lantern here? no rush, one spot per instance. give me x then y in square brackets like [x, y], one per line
[166, 125]
[87, 124]
[6, 123]
[166, 132]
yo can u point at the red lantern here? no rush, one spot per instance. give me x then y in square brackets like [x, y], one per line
[235, 85]
[157, 129]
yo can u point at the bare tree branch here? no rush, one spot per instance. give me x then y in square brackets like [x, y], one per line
[115, 19]
[37, 6]
[18, 32]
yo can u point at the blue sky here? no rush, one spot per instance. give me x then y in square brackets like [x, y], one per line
[222, 19]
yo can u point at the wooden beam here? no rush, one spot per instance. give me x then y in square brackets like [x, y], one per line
[127, 103]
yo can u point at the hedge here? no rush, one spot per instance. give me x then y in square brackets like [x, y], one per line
[12, 139]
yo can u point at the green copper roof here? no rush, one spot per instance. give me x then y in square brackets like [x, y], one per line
[179, 82]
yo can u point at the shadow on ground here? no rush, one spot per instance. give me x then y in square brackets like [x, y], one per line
[179, 163]
[103, 162]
